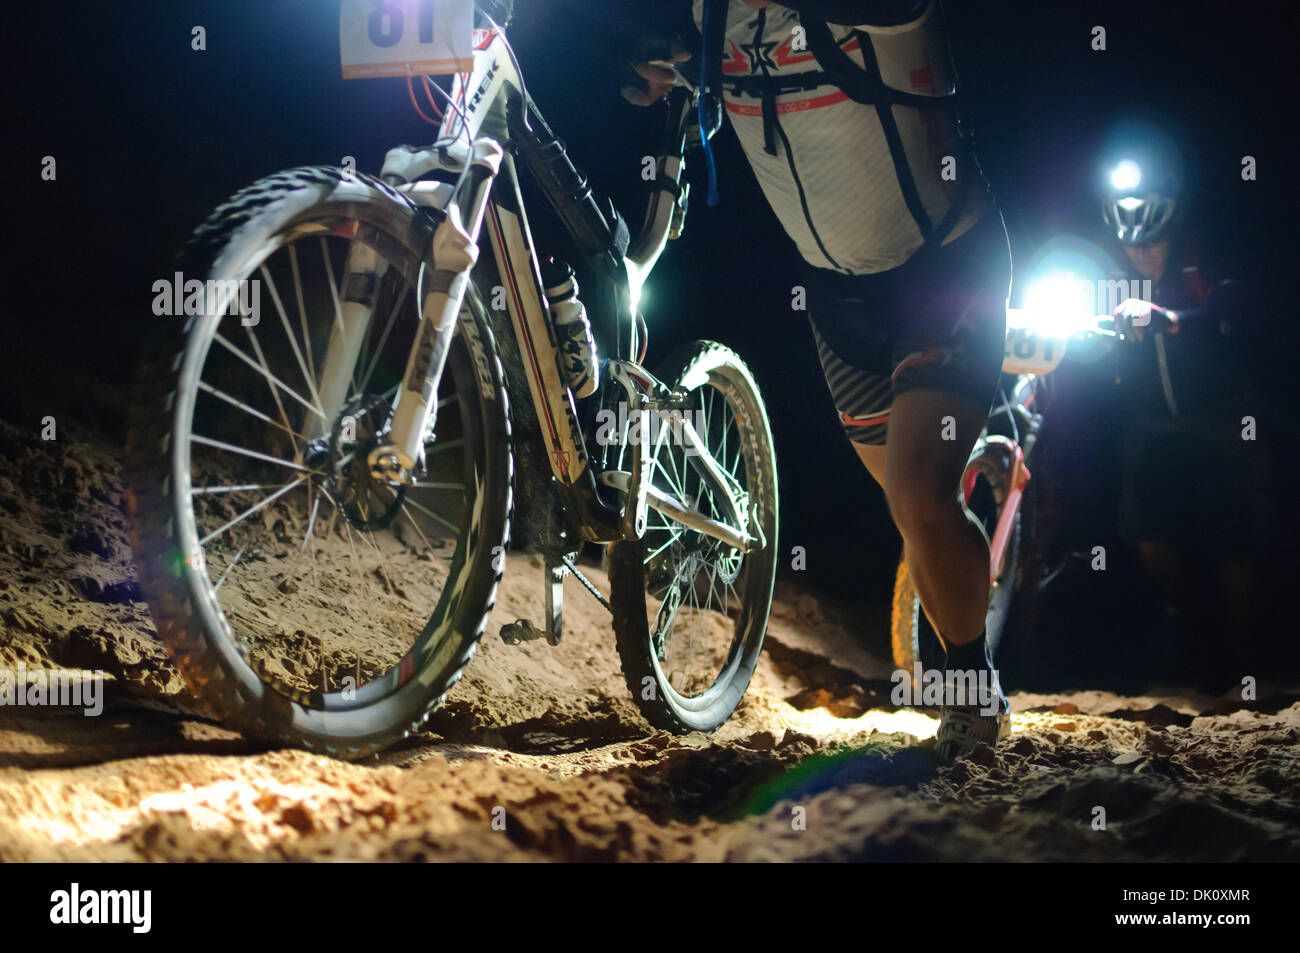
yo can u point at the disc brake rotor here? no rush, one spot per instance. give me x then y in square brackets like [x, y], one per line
[367, 502]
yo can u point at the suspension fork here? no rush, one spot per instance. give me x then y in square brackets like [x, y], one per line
[453, 254]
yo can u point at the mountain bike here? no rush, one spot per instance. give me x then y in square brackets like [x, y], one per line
[322, 495]
[995, 481]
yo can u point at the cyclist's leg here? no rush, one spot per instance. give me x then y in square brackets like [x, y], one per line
[946, 551]
[961, 616]
[901, 352]
[947, 358]
[945, 547]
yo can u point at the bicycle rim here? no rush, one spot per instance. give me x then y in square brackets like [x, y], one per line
[328, 583]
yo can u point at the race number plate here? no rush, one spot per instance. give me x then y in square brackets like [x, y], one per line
[1030, 353]
[406, 37]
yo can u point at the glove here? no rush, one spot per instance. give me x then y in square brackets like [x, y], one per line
[1134, 317]
[649, 82]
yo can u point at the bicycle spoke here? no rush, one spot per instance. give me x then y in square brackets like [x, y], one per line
[271, 378]
[669, 605]
[222, 395]
[713, 582]
[448, 445]
[288, 333]
[311, 524]
[414, 525]
[383, 339]
[671, 540]
[302, 312]
[270, 384]
[238, 556]
[244, 488]
[432, 515]
[333, 285]
[347, 528]
[220, 445]
[726, 428]
[249, 512]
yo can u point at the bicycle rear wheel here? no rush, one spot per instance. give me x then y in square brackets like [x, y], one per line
[690, 612]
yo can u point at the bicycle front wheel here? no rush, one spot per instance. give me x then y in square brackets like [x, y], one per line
[307, 600]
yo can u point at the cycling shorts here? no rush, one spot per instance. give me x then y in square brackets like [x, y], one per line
[938, 321]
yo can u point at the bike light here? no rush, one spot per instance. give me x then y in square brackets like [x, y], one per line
[1125, 176]
[1056, 304]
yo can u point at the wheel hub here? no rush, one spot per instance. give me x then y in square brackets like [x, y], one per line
[368, 502]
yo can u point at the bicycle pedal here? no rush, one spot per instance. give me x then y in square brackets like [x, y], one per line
[519, 631]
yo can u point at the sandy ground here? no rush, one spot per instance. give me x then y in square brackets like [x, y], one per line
[540, 754]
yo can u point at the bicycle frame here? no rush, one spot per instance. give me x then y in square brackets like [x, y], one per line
[486, 195]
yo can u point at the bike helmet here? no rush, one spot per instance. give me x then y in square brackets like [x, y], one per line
[1142, 186]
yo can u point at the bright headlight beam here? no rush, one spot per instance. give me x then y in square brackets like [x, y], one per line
[1125, 176]
[1057, 303]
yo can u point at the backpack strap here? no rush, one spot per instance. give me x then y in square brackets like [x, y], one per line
[715, 44]
[863, 84]
[713, 36]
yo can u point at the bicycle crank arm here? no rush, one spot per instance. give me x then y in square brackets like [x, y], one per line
[676, 510]
[454, 252]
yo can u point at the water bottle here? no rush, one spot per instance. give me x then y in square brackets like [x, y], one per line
[573, 336]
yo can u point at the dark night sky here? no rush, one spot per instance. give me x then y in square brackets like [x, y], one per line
[149, 135]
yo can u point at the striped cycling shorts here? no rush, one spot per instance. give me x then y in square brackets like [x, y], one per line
[938, 321]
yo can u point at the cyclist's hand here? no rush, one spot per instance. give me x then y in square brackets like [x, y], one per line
[1134, 317]
[658, 80]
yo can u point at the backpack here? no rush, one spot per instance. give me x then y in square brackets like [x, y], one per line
[862, 84]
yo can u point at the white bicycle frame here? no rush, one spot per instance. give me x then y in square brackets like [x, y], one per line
[487, 193]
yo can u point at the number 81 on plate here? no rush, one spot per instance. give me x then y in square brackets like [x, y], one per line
[406, 37]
